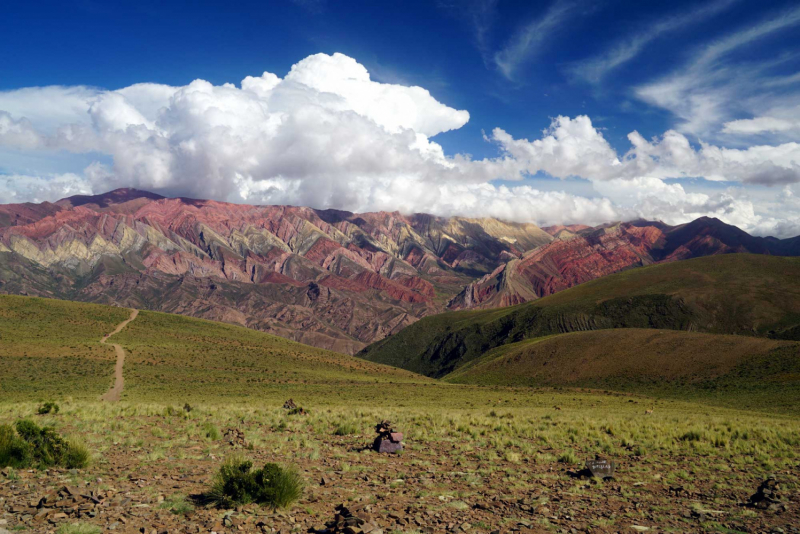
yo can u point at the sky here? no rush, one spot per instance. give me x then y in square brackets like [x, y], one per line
[552, 112]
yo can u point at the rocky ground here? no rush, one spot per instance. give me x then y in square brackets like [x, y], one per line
[432, 486]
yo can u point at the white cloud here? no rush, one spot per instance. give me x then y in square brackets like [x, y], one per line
[760, 125]
[573, 147]
[326, 135]
[20, 188]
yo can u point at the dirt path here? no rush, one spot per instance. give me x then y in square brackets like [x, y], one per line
[113, 394]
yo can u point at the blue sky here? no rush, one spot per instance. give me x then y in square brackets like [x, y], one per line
[722, 75]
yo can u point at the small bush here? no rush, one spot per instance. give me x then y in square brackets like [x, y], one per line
[47, 447]
[237, 484]
[48, 407]
[33, 446]
[14, 452]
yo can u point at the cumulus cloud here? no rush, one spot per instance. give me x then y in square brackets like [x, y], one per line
[574, 147]
[327, 135]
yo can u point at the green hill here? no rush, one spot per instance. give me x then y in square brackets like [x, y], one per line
[742, 294]
[51, 349]
[748, 372]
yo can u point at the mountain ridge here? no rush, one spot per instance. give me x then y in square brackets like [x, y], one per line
[329, 278]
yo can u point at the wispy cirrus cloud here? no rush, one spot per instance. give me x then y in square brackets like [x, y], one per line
[715, 85]
[594, 69]
[531, 37]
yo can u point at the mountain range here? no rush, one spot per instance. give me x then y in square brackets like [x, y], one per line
[328, 278]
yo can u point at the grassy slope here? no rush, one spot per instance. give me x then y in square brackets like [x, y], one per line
[50, 349]
[730, 294]
[746, 372]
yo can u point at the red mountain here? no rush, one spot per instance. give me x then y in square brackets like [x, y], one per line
[578, 255]
[328, 278]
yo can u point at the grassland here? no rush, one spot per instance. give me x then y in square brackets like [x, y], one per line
[477, 459]
[738, 294]
[745, 372]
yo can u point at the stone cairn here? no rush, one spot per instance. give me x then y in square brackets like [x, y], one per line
[293, 408]
[354, 520]
[235, 438]
[388, 440]
[768, 497]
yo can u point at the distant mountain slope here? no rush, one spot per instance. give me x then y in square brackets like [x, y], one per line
[665, 362]
[328, 278]
[579, 254]
[743, 294]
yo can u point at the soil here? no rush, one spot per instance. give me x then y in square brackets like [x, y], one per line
[113, 394]
[426, 490]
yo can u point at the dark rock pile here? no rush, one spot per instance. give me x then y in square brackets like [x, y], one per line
[235, 438]
[352, 521]
[68, 502]
[293, 408]
[388, 440]
[767, 497]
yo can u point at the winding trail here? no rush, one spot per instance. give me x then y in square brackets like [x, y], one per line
[113, 394]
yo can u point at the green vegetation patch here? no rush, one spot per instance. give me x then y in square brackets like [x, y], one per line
[28, 445]
[237, 483]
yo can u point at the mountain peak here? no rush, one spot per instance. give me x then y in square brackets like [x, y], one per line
[111, 198]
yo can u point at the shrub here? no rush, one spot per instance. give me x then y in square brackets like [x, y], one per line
[237, 484]
[47, 447]
[39, 447]
[48, 407]
[14, 452]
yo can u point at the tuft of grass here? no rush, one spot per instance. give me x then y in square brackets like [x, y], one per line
[568, 457]
[177, 504]
[78, 528]
[48, 407]
[77, 455]
[237, 484]
[210, 431]
[345, 428]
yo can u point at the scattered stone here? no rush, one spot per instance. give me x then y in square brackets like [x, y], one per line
[388, 440]
[352, 521]
[601, 468]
